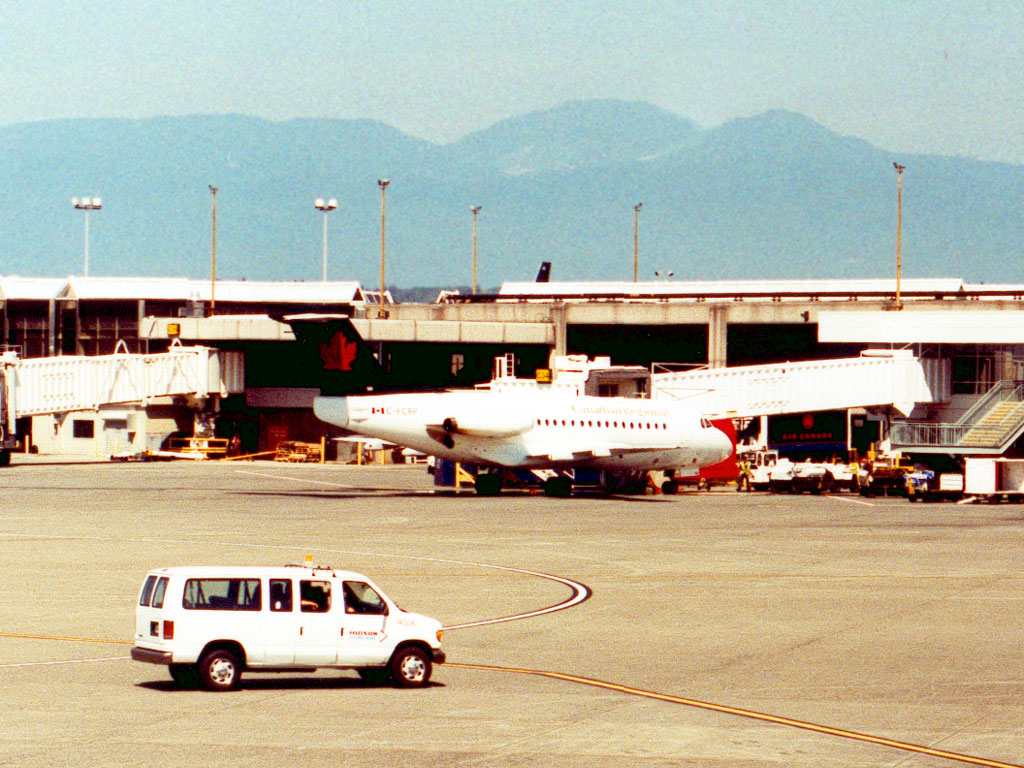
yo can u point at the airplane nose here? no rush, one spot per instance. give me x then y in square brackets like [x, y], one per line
[333, 410]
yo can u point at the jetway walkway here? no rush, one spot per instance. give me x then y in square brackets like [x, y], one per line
[878, 377]
[36, 386]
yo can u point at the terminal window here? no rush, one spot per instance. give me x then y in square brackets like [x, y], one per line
[83, 428]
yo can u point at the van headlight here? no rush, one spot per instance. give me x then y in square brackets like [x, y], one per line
[440, 634]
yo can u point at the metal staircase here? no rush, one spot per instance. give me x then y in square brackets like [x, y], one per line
[989, 427]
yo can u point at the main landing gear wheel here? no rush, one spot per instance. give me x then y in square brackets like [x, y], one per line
[559, 487]
[488, 485]
[411, 667]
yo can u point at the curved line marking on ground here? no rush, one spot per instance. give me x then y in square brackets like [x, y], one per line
[775, 719]
[580, 592]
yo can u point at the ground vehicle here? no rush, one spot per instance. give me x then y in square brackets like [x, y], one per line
[823, 477]
[784, 475]
[884, 476]
[926, 485]
[208, 624]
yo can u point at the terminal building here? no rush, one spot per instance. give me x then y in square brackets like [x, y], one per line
[968, 337]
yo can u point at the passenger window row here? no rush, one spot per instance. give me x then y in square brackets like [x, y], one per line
[247, 595]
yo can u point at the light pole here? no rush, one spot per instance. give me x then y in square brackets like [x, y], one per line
[325, 206]
[213, 253]
[383, 184]
[636, 236]
[86, 204]
[475, 209]
[899, 229]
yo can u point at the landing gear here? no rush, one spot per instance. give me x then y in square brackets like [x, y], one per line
[558, 487]
[488, 485]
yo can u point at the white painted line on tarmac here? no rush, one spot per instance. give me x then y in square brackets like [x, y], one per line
[67, 661]
[852, 501]
[294, 479]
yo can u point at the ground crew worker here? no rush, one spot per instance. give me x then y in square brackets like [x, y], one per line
[745, 473]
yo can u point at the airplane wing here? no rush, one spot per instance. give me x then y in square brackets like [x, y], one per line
[582, 454]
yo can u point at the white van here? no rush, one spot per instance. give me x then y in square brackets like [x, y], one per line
[208, 624]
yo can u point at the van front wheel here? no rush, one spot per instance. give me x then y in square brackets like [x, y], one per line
[220, 670]
[410, 667]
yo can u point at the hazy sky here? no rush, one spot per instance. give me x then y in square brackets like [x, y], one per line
[908, 75]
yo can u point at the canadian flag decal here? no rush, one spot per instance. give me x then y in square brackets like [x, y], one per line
[339, 353]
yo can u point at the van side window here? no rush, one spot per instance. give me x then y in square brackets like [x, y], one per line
[222, 595]
[361, 598]
[159, 592]
[315, 596]
[281, 595]
[147, 590]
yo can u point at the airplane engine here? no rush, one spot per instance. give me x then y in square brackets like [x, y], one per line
[489, 424]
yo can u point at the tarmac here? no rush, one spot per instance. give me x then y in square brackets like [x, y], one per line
[722, 628]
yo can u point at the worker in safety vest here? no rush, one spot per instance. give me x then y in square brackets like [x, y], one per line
[744, 479]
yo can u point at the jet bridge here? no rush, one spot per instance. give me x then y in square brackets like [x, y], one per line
[878, 377]
[37, 386]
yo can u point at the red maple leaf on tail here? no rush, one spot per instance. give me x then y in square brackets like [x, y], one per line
[339, 354]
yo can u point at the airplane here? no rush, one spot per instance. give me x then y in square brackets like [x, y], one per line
[526, 429]
[534, 430]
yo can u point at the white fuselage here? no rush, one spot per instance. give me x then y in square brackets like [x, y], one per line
[534, 429]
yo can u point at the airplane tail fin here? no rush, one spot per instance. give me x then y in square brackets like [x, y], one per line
[339, 359]
[544, 274]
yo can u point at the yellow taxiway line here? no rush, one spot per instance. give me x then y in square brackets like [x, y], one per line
[748, 714]
[67, 639]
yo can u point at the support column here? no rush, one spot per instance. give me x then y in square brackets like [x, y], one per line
[717, 336]
[138, 327]
[558, 322]
[51, 330]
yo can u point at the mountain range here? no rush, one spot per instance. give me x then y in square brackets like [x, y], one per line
[767, 197]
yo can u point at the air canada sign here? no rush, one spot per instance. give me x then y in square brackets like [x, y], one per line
[805, 428]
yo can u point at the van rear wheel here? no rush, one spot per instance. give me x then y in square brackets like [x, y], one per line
[219, 670]
[185, 675]
[410, 667]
